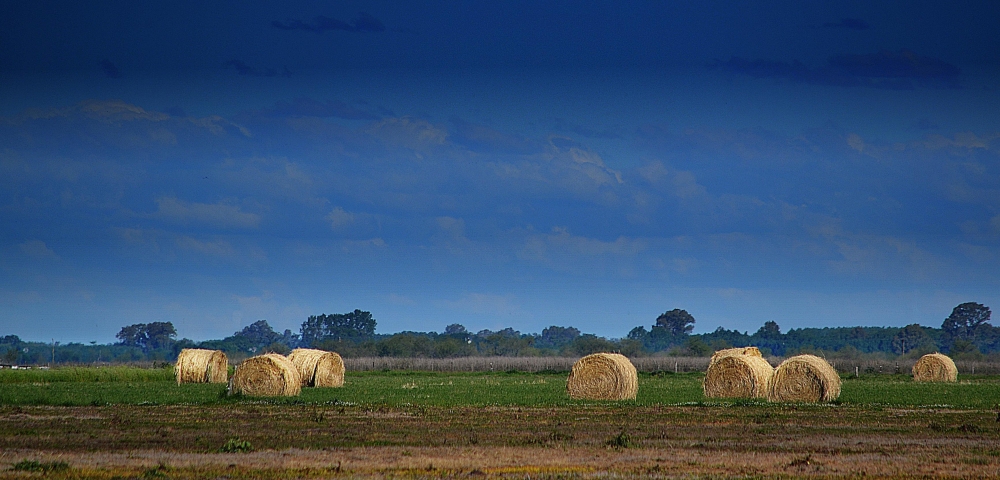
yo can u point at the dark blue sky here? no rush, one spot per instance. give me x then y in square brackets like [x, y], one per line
[495, 164]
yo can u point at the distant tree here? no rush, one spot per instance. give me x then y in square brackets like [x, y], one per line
[10, 356]
[455, 329]
[911, 337]
[147, 336]
[770, 330]
[697, 347]
[965, 350]
[159, 335]
[676, 321]
[588, 343]
[965, 320]
[259, 334]
[637, 333]
[556, 337]
[290, 339]
[357, 325]
[448, 347]
[133, 335]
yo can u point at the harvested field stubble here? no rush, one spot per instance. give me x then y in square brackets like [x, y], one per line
[769, 440]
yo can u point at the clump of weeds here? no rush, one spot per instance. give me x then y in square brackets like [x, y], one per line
[235, 445]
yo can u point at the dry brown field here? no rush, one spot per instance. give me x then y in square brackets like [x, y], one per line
[593, 441]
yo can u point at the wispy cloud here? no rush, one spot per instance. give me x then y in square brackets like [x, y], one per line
[901, 70]
[363, 23]
[848, 24]
[37, 249]
[218, 215]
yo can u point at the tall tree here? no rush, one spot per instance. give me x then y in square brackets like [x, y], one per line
[455, 329]
[911, 337]
[259, 334]
[159, 334]
[354, 326]
[770, 330]
[677, 321]
[147, 336]
[133, 335]
[965, 320]
[556, 337]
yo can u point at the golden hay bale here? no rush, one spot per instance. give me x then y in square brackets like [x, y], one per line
[196, 365]
[268, 375]
[737, 376]
[318, 368]
[804, 378]
[935, 367]
[603, 376]
[750, 351]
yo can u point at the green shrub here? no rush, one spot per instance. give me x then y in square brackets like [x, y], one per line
[36, 466]
[235, 445]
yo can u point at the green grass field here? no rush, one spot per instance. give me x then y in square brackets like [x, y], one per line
[113, 423]
[121, 385]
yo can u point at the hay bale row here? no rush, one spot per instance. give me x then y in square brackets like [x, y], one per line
[195, 365]
[804, 378]
[603, 376]
[268, 375]
[935, 367]
[318, 368]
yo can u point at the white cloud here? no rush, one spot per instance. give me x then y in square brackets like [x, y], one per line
[484, 304]
[562, 242]
[37, 249]
[216, 248]
[339, 218]
[413, 133]
[218, 215]
[885, 256]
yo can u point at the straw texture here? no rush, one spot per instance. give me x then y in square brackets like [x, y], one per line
[268, 375]
[196, 365]
[318, 368]
[804, 378]
[935, 367]
[749, 351]
[603, 376]
[737, 376]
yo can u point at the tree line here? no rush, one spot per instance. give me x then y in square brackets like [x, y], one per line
[965, 334]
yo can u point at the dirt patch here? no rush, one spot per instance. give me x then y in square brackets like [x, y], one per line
[309, 441]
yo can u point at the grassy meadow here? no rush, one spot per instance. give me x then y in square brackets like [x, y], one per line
[79, 386]
[106, 423]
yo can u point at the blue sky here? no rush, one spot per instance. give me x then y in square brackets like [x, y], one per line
[518, 164]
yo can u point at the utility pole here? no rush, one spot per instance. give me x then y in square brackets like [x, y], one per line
[53, 352]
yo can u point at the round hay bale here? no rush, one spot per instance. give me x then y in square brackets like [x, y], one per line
[804, 378]
[196, 365]
[268, 375]
[750, 351]
[935, 367]
[603, 376]
[737, 376]
[318, 368]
